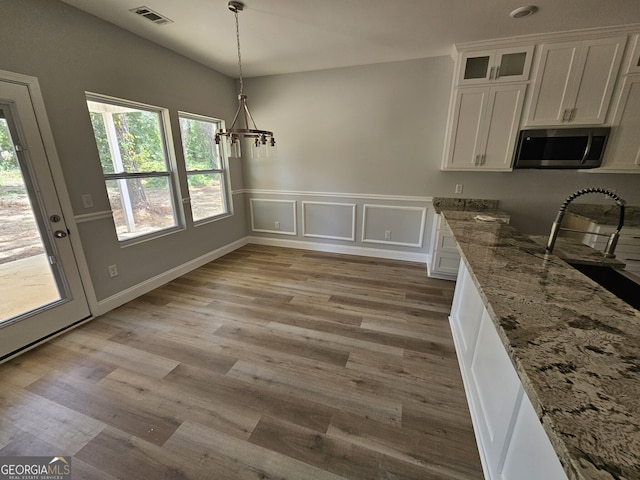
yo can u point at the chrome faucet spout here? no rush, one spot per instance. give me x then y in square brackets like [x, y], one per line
[613, 239]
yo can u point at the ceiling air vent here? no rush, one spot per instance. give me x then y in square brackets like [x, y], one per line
[150, 15]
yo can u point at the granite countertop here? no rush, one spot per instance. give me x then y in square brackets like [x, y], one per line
[575, 346]
[573, 251]
[607, 214]
[464, 204]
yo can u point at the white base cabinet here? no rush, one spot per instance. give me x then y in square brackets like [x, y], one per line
[444, 257]
[511, 440]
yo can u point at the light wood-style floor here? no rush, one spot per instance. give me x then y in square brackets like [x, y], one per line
[268, 363]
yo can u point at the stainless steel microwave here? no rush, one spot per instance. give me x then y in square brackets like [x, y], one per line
[561, 147]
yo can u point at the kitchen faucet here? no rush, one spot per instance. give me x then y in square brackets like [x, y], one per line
[613, 238]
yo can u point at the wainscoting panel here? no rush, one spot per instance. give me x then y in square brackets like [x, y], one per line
[393, 225]
[329, 220]
[273, 216]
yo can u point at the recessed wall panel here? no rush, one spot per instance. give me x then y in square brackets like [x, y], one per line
[329, 220]
[273, 216]
[393, 225]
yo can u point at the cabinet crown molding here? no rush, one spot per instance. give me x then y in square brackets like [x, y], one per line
[538, 38]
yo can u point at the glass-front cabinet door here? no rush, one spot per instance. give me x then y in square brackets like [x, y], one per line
[501, 65]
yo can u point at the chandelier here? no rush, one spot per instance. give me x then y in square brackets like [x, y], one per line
[262, 141]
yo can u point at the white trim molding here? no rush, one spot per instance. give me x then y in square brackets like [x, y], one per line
[343, 249]
[93, 216]
[365, 196]
[536, 38]
[293, 203]
[419, 242]
[351, 238]
[135, 291]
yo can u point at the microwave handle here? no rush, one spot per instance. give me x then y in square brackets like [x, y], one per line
[588, 148]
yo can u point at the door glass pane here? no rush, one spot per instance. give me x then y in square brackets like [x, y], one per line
[476, 67]
[512, 64]
[27, 281]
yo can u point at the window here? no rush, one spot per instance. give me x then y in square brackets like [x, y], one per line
[205, 170]
[132, 146]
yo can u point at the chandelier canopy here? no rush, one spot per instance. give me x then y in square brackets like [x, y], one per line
[243, 126]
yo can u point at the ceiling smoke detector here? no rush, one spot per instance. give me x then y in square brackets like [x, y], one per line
[524, 11]
[150, 15]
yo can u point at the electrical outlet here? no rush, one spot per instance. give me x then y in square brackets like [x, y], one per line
[87, 201]
[458, 188]
[276, 225]
[387, 234]
[113, 271]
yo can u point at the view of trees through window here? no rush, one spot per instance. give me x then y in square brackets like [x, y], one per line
[205, 175]
[133, 156]
[138, 176]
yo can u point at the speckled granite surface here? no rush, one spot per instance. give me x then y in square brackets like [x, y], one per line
[464, 204]
[575, 346]
[573, 251]
[607, 214]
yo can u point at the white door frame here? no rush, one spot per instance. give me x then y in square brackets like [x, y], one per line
[46, 135]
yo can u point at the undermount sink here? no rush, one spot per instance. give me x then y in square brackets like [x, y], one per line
[622, 284]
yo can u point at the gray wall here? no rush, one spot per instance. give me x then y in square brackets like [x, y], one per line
[71, 52]
[369, 135]
[379, 129]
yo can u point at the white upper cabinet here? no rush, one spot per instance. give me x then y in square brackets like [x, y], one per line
[574, 82]
[623, 150]
[501, 65]
[484, 127]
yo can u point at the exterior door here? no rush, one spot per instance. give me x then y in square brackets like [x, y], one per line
[40, 287]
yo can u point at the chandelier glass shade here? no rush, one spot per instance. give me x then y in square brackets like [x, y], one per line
[243, 126]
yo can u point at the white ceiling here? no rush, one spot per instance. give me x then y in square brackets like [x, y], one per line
[284, 36]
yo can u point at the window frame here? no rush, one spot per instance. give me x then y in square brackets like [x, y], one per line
[171, 172]
[222, 171]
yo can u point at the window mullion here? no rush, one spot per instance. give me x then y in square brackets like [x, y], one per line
[125, 175]
[203, 172]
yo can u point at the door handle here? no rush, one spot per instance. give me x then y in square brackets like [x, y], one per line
[59, 234]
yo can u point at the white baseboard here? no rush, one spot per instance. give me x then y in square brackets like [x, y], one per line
[131, 293]
[345, 249]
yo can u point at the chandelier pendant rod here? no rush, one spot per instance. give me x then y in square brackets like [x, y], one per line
[235, 7]
[263, 137]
